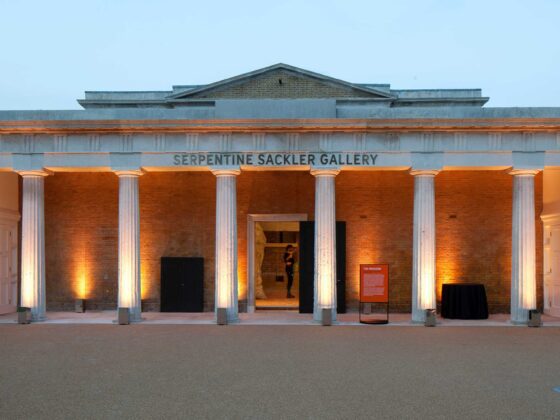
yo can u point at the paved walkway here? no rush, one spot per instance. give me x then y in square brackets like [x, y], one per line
[145, 371]
[282, 317]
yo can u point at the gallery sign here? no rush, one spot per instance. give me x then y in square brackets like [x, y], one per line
[274, 159]
[374, 283]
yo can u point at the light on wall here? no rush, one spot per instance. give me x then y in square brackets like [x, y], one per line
[81, 272]
[241, 282]
[144, 292]
[80, 284]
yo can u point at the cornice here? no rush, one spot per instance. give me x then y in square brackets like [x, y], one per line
[34, 173]
[524, 172]
[129, 172]
[229, 171]
[551, 219]
[424, 172]
[279, 125]
[324, 171]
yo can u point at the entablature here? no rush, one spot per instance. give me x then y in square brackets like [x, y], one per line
[306, 141]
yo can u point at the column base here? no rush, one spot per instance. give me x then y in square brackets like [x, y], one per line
[520, 317]
[229, 319]
[318, 316]
[418, 317]
[38, 318]
[227, 322]
[135, 317]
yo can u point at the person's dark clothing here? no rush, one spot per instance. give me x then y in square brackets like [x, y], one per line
[289, 263]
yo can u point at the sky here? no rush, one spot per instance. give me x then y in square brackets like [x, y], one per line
[52, 51]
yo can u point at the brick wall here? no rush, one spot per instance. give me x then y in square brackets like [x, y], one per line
[81, 239]
[177, 219]
[473, 218]
[473, 232]
[292, 86]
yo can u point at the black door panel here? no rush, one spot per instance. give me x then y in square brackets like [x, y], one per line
[307, 266]
[182, 280]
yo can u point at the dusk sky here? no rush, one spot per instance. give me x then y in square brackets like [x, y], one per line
[52, 51]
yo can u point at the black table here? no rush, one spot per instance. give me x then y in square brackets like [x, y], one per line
[464, 301]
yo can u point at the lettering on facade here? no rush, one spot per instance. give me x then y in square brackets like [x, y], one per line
[274, 159]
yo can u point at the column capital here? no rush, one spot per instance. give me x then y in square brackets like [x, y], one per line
[524, 172]
[423, 172]
[325, 171]
[129, 172]
[226, 171]
[34, 172]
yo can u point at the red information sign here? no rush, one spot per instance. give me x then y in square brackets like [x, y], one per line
[374, 283]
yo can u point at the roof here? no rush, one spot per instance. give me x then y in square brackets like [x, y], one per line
[282, 81]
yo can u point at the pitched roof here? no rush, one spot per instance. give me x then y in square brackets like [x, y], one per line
[246, 77]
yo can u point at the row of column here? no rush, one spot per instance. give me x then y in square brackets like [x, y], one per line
[523, 281]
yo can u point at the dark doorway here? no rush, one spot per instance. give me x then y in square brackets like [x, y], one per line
[182, 280]
[307, 267]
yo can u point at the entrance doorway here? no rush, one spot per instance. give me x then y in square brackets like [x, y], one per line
[268, 236]
[276, 265]
[552, 272]
[8, 264]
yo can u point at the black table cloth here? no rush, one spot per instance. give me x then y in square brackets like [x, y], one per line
[464, 301]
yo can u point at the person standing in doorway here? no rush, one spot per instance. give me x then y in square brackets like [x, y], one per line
[289, 261]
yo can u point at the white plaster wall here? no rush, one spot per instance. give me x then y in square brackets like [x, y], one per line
[9, 191]
[551, 192]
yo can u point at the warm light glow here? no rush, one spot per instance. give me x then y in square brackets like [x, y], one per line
[427, 287]
[81, 272]
[27, 290]
[241, 282]
[324, 278]
[224, 285]
[149, 266]
[125, 284]
[529, 290]
[447, 274]
[144, 291]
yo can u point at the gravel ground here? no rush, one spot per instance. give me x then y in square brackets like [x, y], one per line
[200, 371]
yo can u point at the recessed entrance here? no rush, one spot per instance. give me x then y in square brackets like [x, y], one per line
[268, 237]
[276, 265]
[552, 265]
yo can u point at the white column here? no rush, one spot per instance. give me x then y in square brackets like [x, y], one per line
[424, 245]
[523, 251]
[130, 293]
[226, 242]
[325, 242]
[33, 244]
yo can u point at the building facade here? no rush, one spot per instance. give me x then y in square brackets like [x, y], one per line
[430, 182]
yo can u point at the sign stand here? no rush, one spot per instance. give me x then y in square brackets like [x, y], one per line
[374, 289]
